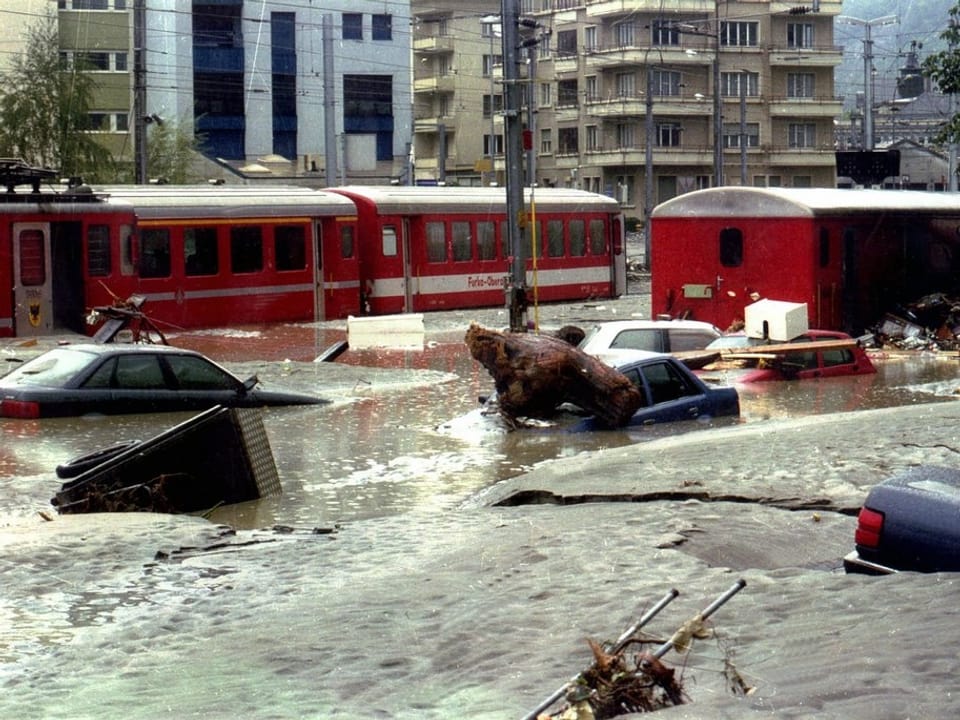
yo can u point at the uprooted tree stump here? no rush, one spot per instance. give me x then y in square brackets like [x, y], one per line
[535, 374]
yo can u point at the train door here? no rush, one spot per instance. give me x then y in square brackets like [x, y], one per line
[319, 284]
[619, 256]
[407, 266]
[32, 279]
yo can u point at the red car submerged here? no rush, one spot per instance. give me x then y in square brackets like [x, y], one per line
[815, 354]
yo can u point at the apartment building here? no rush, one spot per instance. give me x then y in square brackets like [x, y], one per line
[637, 99]
[251, 79]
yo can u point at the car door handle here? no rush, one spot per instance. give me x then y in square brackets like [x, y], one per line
[693, 411]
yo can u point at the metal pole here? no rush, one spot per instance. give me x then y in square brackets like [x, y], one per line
[744, 79]
[648, 168]
[139, 92]
[867, 89]
[717, 115]
[329, 102]
[617, 647]
[704, 614]
[513, 151]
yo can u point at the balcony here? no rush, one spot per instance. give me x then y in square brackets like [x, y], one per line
[597, 9]
[677, 156]
[806, 57]
[664, 106]
[816, 107]
[427, 125]
[435, 84]
[434, 45]
[781, 155]
[600, 58]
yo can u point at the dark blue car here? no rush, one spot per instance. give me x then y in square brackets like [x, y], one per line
[671, 392]
[910, 521]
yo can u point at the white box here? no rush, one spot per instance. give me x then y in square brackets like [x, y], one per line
[389, 331]
[775, 320]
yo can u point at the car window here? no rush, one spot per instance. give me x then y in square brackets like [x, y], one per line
[638, 339]
[633, 375]
[843, 356]
[685, 340]
[139, 372]
[666, 383]
[195, 373]
[54, 368]
[802, 360]
[102, 377]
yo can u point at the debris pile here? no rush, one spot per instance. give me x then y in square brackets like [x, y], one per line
[930, 323]
[614, 685]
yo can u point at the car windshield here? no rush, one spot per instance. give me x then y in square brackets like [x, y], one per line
[52, 369]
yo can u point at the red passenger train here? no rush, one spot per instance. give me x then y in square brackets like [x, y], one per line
[210, 256]
[850, 255]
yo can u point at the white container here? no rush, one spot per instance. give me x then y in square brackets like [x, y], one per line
[404, 331]
[775, 320]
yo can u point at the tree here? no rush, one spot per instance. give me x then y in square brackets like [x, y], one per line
[44, 109]
[944, 69]
[171, 149]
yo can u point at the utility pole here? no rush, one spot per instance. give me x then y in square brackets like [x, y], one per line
[139, 92]
[516, 295]
[868, 26]
[329, 100]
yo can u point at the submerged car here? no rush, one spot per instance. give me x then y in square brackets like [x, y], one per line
[814, 354]
[910, 521]
[609, 340]
[114, 379]
[671, 392]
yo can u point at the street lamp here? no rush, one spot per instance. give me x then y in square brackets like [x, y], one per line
[868, 26]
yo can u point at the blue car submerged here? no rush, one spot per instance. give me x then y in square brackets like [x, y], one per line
[671, 392]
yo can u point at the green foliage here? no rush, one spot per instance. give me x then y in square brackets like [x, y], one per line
[44, 108]
[171, 148]
[943, 68]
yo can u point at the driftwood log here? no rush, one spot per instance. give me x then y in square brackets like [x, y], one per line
[535, 374]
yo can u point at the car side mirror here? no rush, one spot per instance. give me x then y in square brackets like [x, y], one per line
[250, 383]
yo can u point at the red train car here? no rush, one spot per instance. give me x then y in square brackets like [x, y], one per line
[439, 248]
[211, 256]
[52, 248]
[850, 255]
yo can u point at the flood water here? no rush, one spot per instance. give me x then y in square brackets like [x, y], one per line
[94, 625]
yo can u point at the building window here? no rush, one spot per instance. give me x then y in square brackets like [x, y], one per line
[626, 136]
[593, 138]
[546, 142]
[800, 85]
[120, 62]
[546, 94]
[489, 62]
[122, 122]
[732, 135]
[592, 92]
[626, 85]
[625, 34]
[497, 105]
[568, 141]
[663, 32]
[497, 144]
[741, 34]
[99, 122]
[802, 135]
[666, 83]
[566, 44]
[668, 134]
[800, 35]
[381, 27]
[590, 43]
[731, 84]
[567, 93]
[352, 26]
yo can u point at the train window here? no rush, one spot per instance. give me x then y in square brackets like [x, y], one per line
[33, 258]
[555, 238]
[98, 250]
[289, 247]
[436, 242]
[598, 238]
[578, 239]
[346, 241]
[246, 249]
[389, 241]
[154, 253]
[461, 241]
[486, 241]
[536, 240]
[731, 247]
[824, 247]
[200, 251]
[127, 265]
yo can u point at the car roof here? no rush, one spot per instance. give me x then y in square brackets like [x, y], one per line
[126, 348]
[625, 358]
[656, 324]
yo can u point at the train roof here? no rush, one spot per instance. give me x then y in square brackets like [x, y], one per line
[803, 202]
[189, 201]
[414, 198]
